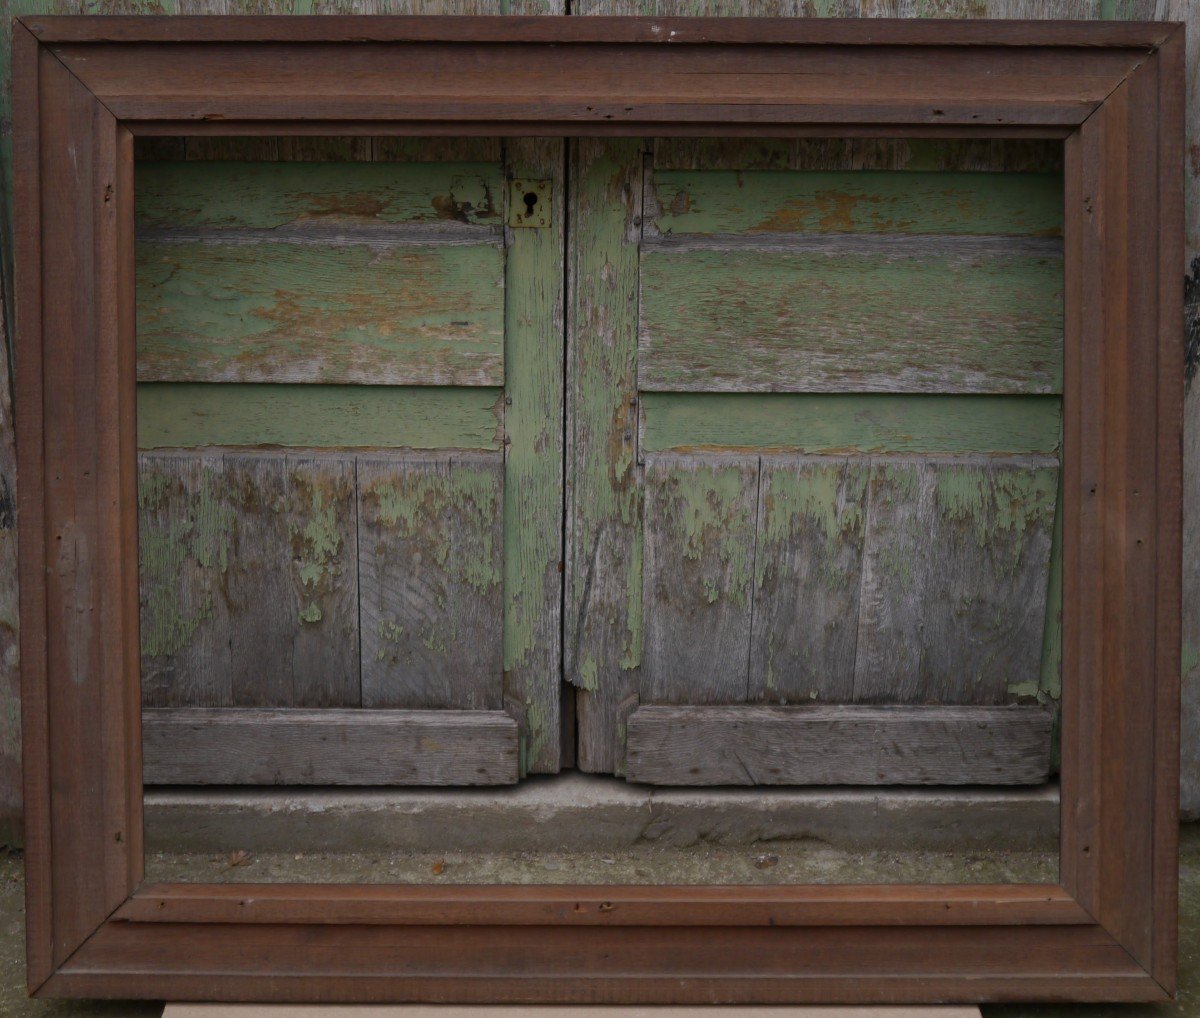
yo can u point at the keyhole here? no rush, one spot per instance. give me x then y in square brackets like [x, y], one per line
[531, 200]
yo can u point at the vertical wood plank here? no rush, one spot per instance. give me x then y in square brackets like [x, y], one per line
[293, 565]
[430, 546]
[701, 520]
[31, 552]
[1169, 548]
[985, 610]
[603, 615]
[807, 578]
[954, 581]
[534, 288]
[891, 603]
[322, 534]
[185, 544]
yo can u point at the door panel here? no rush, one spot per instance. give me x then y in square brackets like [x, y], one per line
[833, 528]
[350, 413]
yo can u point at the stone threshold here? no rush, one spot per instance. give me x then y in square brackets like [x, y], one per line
[582, 812]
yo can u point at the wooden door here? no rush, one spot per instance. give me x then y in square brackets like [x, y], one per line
[814, 423]
[350, 411]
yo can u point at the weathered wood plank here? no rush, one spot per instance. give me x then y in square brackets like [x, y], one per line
[533, 468]
[1068, 9]
[373, 311]
[192, 746]
[836, 154]
[187, 416]
[719, 202]
[839, 745]
[185, 541]
[807, 576]
[849, 422]
[269, 195]
[955, 567]
[292, 581]
[701, 517]
[431, 590]
[879, 314]
[603, 596]
[249, 580]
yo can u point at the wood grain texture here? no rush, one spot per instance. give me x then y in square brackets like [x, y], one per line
[577, 963]
[751, 745]
[890, 579]
[707, 202]
[74, 401]
[329, 303]
[790, 315]
[698, 599]
[534, 332]
[184, 532]
[603, 599]
[984, 155]
[954, 576]
[183, 415]
[430, 540]
[849, 423]
[630, 85]
[225, 195]
[807, 577]
[328, 747]
[249, 580]
[292, 580]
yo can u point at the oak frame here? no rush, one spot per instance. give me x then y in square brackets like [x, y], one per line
[84, 86]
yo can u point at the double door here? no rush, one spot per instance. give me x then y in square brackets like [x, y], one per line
[700, 463]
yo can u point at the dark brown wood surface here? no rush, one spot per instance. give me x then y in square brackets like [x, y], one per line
[1113, 90]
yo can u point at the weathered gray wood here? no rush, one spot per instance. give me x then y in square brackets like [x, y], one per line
[807, 576]
[430, 569]
[249, 579]
[193, 746]
[826, 745]
[186, 539]
[292, 581]
[603, 597]
[701, 518]
[955, 572]
[533, 466]
[789, 313]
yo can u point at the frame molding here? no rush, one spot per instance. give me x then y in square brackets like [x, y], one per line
[1113, 92]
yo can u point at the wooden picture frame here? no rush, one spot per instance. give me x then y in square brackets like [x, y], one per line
[86, 86]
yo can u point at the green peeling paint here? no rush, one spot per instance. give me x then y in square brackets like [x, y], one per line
[270, 195]
[991, 503]
[710, 520]
[328, 312]
[179, 415]
[858, 201]
[166, 546]
[868, 322]
[533, 483]
[317, 545]
[851, 423]
[418, 505]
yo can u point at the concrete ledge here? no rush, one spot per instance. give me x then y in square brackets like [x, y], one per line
[580, 812]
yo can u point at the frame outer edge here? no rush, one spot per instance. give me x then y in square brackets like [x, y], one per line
[31, 504]
[86, 971]
[1171, 76]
